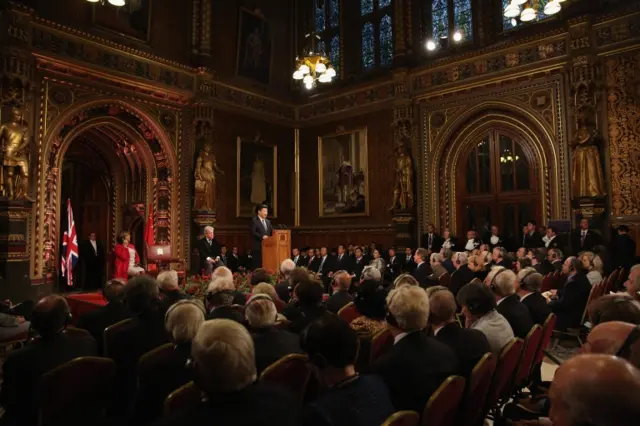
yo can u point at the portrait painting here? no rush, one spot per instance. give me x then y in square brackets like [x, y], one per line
[131, 20]
[257, 179]
[254, 47]
[343, 174]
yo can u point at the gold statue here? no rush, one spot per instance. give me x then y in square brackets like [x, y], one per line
[403, 189]
[205, 174]
[586, 170]
[14, 140]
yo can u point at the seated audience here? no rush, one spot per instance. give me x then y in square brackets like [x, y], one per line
[417, 364]
[224, 369]
[307, 305]
[498, 255]
[23, 368]
[437, 269]
[477, 263]
[522, 263]
[370, 302]
[220, 295]
[170, 291]
[502, 283]
[182, 321]
[404, 279]
[615, 338]
[521, 253]
[340, 297]
[528, 284]
[224, 272]
[479, 308]
[592, 266]
[422, 269]
[351, 399]
[260, 275]
[555, 257]
[270, 343]
[13, 327]
[571, 300]
[468, 344]
[114, 311]
[378, 262]
[462, 275]
[269, 290]
[447, 254]
[632, 285]
[540, 264]
[282, 288]
[614, 307]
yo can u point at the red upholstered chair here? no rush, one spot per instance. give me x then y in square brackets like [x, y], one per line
[349, 312]
[579, 332]
[547, 282]
[547, 332]
[444, 403]
[159, 258]
[444, 280]
[403, 418]
[185, 397]
[473, 406]
[505, 370]
[531, 345]
[109, 334]
[380, 343]
[77, 392]
[291, 372]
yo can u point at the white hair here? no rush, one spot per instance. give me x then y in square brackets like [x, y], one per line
[208, 228]
[260, 311]
[222, 272]
[216, 288]
[460, 257]
[370, 272]
[168, 280]
[436, 257]
[287, 266]
[409, 305]
[503, 279]
[183, 319]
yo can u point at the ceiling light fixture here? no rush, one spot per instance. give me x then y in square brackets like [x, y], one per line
[313, 66]
[431, 45]
[457, 36]
[531, 9]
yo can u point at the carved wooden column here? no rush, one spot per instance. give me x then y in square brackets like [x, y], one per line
[201, 32]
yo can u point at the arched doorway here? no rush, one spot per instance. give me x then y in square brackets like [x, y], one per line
[498, 184]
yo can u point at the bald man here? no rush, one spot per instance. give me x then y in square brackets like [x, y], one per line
[595, 390]
[610, 337]
[54, 346]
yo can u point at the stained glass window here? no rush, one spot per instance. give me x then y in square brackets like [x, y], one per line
[462, 18]
[321, 47]
[334, 13]
[334, 55]
[386, 40]
[320, 16]
[439, 18]
[366, 7]
[328, 29]
[383, 3]
[368, 46]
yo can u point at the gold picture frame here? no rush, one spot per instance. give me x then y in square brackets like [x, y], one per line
[254, 49]
[106, 19]
[343, 174]
[256, 176]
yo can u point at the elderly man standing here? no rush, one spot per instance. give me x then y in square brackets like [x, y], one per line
[209, 250]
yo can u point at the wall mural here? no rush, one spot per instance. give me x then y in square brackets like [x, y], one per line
[254, 46]
[257, 178]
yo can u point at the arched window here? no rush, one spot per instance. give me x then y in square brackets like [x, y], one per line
[327, 14]
[448, 19]
[377, 33]
[510, 23]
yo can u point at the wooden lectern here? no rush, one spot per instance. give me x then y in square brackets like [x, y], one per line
[275, 249]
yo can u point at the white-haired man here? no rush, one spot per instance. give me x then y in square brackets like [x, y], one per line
[462, 275]
[502, 283]
[220, 295]
[169, 289]
[283, 287]
[224, 369]
[209, 250]
[417, 364]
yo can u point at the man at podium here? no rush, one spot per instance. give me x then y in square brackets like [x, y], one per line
[260, 229]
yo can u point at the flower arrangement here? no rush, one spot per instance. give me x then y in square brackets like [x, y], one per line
[196, 285]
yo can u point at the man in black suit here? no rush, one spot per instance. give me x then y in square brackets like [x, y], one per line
[224, 256]
[359, 263]
[298, 259]
[623, 248]
[498, 255]
[528, 288]
[340, 296]
[170, 291]
[234, 260]
[114, 311]
[344, 262]
[423, 269]
[417, 364]
[447, 254]
[585, 239]
[23, 368]
[408, 264]
[570, 300]
[326, 268]
[468, 344]
[220, 295]
[494, 239]
[432, 241]
[92, 257]
[209, 250]
[462, 275]
[503, 286]
[553, 239]
[555, 258]
[533, 239]
[394, 265]
[260, 229]
[540, 263]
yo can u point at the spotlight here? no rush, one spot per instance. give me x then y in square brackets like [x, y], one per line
[457, 36]
[431, 45]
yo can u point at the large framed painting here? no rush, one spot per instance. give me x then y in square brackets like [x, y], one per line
[257, 178]
[343, 174]
[132, 20]
[254, 46]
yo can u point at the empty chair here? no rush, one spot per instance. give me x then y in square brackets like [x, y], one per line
[443, 405]
[473, 406]
[403, 418]
[349, 312]
[290, 372]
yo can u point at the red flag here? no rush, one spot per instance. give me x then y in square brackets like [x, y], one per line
[149, 237]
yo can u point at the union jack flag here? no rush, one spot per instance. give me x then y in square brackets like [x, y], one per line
[69, 251]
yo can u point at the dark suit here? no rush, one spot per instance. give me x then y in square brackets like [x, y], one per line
[557, 265]
[468, 344]
[258, 231]
[345, 263]
[338, 300]
[545, 267]
[299, 260]
[233, 262]
[272, 344]
[591, 240]
[96, 321]
[623, 251]
[571, 301]
[313, 264]
[168, 298]
[421, 273]
[394, 267]
[358, 266]
[408, 264]
[460, 277]
[93, 264]
[207, 249]
[432, 242]
[500, 242]
[301, 317]
[556, 243]
[448, 265]
[414, 368]
[538, 307]
[533, 240]
[282, 289]
[23, 369]
[516, 314]
[225, 312]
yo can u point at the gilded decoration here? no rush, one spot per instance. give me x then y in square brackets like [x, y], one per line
[587, 179]
[403, 190]
[15, 152]
[205, 179]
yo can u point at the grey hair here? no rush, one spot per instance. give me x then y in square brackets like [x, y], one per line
[437, 257]
[460, 257]
[287, 266]
[168, 280]
[183, 320]
[260, 311]
[209, 228]
[371, 273]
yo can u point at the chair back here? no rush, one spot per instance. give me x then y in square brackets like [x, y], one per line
[445, 279]
[349, 312]
[547, 282]
[505, 370]
[403, 418]
[152, 358]
[291, 372]
[596, 292]
[547, 332]
[183, 398]
[609, 283]
[77, 391]
[112, 331]
[531, 345]
[239, 309]
[476, 392]
[380, 343]
[444, 403]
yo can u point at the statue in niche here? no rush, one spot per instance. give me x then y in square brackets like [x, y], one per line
[205, 176]
[586, 170]
[403, 189]
[14, 144]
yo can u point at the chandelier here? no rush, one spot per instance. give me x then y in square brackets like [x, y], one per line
[313, 66]
[112, 2]
[530, 9]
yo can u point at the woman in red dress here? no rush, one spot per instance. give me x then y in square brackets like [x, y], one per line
[127, 261]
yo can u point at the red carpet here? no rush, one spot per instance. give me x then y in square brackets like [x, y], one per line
[81, 303]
